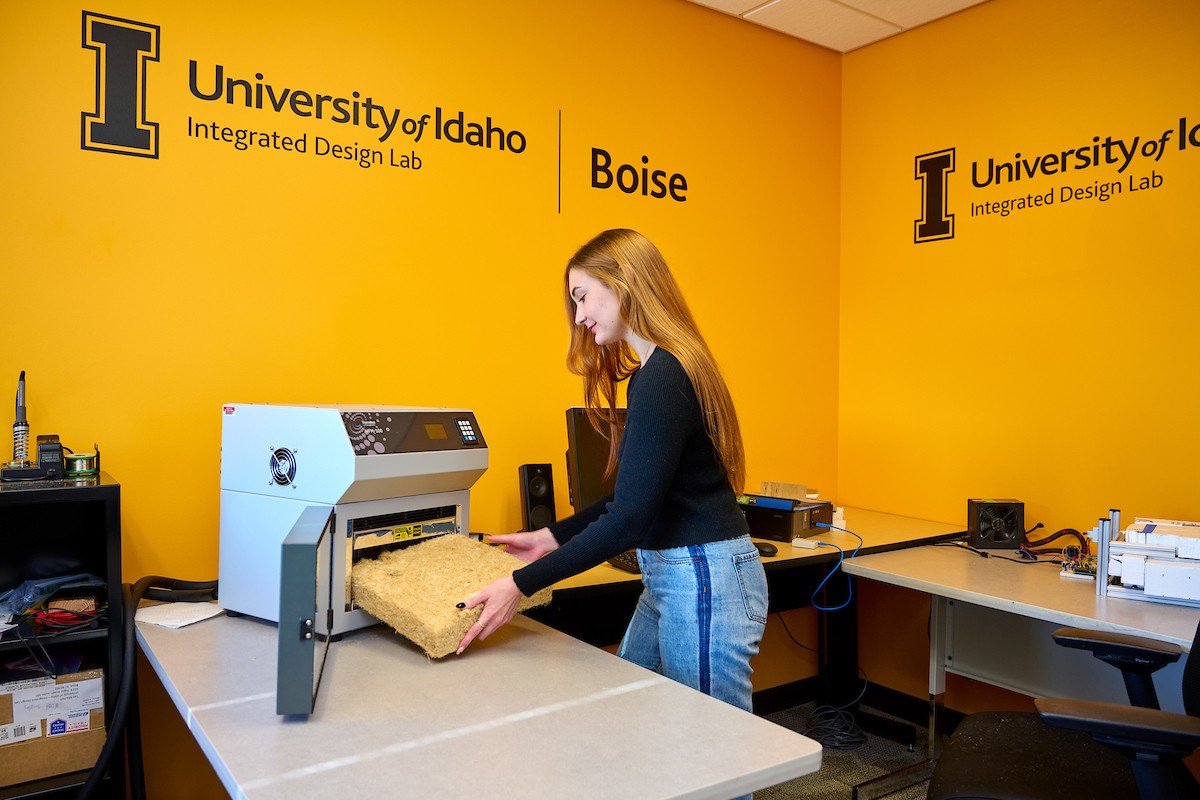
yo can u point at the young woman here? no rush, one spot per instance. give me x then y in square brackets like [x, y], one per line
[681, 465]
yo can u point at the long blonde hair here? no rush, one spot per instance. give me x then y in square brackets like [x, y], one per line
[653, 307]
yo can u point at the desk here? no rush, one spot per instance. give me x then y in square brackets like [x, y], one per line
[1034, 591]
[596, 605]
[529, 712]
[880, 532]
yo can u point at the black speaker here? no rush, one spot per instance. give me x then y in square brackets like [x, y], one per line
[537, 496]
[996, 523]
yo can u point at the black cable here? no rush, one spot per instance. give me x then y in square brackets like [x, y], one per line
[48, 671]
[1083, 540]
[788, 630]
[986, 554]
[127, 685]
[133, 747]
[156, 588]
[835, 726]
[832, 726]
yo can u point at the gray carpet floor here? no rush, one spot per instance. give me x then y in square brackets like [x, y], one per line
[842, 769]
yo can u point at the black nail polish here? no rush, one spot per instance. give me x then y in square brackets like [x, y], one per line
[461, 605]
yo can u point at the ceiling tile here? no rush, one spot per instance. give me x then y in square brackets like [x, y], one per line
[824, 22]
[735, 7]
[841, 25]
[911, 13]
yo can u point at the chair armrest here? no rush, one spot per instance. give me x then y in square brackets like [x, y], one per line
[1130, 724]
[1135, 653]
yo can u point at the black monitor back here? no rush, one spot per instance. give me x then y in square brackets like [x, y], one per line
[587, 456]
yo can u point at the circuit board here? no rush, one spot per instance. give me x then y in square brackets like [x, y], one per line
[1076, 564]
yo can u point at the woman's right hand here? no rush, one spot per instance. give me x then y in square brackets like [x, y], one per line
[528, 546]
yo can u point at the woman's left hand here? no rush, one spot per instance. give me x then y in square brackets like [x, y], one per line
[499, 600]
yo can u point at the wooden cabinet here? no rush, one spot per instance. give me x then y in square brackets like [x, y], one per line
[55, 528]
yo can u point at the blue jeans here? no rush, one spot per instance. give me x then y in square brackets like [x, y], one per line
[700, 617]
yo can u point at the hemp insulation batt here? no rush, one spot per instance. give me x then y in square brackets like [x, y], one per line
[416, 589]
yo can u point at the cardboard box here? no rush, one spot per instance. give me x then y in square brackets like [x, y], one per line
[50, 726]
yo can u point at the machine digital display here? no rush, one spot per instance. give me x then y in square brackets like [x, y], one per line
[435, 430]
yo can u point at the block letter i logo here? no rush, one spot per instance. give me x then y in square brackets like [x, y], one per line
[119, 124]
[936, 222]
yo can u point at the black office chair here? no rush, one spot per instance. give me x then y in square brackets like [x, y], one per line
[1077, 748]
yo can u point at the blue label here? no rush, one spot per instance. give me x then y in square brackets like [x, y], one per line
[773, 502]
[58, 727]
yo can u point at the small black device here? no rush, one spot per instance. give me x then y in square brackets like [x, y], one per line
[766, 549]
[998, 524]
[781, 519]
[49, 464]
[537, 496]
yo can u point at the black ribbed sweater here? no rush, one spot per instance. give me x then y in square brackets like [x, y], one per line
[671, 488]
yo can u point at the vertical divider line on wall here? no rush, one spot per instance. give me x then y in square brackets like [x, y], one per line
[560, 161]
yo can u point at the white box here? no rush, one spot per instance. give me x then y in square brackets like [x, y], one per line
[1133, 570]
[1173, 578]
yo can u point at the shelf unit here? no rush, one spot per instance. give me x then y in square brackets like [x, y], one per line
[51, 528]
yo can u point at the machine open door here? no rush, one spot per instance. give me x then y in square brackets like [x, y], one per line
[303, 638]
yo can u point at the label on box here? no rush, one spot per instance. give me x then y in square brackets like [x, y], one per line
[25, 683]
[56, 699]
[71, 722]
[20, 731]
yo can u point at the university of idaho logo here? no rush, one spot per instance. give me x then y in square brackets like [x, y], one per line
[936, 222]
[123, 48]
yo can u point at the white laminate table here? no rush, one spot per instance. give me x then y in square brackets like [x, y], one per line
[529, 713]
[1031, 590]
[1034, 591]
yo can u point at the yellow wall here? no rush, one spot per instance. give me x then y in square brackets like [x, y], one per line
[145, 293]
[1048, 355]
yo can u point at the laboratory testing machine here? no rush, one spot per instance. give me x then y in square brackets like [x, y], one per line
[365, 478]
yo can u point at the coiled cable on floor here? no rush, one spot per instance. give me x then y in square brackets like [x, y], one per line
[835, 726]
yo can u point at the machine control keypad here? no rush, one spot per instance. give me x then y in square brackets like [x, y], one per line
[467, 431]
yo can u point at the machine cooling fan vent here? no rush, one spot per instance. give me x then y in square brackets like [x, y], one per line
[283, 466]
[996, 523]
